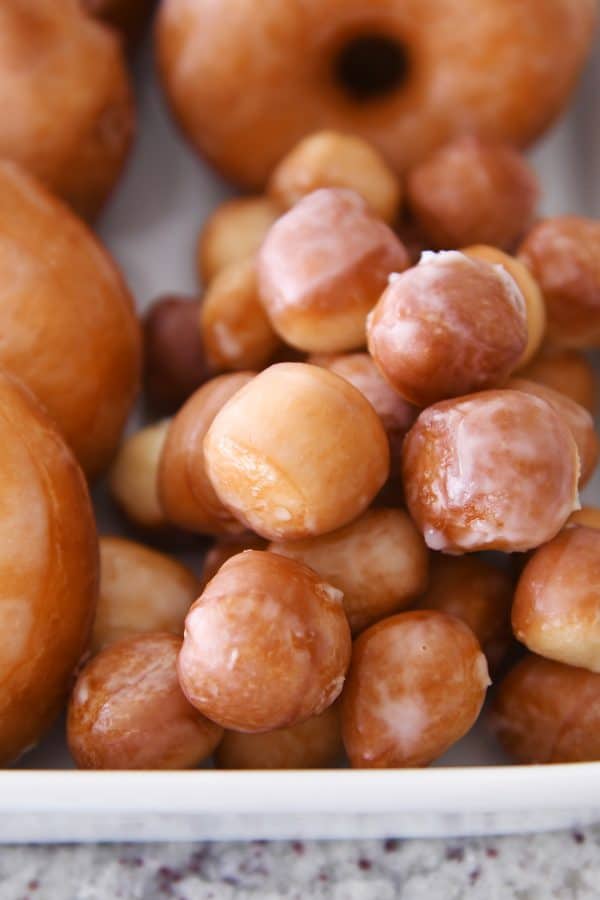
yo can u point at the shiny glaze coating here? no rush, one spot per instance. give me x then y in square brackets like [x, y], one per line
[266, 645]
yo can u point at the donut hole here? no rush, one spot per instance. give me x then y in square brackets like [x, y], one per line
[371, 66]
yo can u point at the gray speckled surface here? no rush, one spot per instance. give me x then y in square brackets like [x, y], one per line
[564, 865]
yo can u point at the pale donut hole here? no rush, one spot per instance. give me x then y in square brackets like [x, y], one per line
[556, 611]
[534, 301]
[234, 232]
[546, 712]
[416, 685]
[379, 562]
[567, 371]
[331, 159]
[236, 333]
[185, 491]
[127, 710]
[477, 593]
[322, 267]
[496, 470]
[140, 590]
[266, 645]
[576, 417]
[296, 453]
[133, 476]
[587, 515]
[448, 326]
[313, 744]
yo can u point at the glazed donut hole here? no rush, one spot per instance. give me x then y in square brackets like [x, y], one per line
[127, 710]
[322, 267]
[416, 685]
[175, 361]
[128, 16]
[185, 492]
[566, 371]
[534, 302]
[448, 326]
[313, 744]
[397, 416]
[266, 645]
[579, 420]
[556, 610]
[330, 159]
[379, 562]
[223, 549]
[234, 232]
[496, 470]
[479, 594]
[472, 191]
[296, 453]
[236, 333]
[133, 476]
[141, 590]
[546, 712]
[563, 255]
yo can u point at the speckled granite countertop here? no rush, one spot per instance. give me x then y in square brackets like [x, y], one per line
[565, 866]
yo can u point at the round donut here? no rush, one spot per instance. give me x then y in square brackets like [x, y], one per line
[248, 80]
[48, 570]
[69, 329]
[66, 99]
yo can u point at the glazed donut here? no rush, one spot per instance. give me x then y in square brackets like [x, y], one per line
[48, 570]
[69, 329]
[66, 100]
[405, 75]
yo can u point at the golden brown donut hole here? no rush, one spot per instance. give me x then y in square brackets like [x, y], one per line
[329, 159]
[127, 710]
[379, 562]
[576, 417]
[395, 413]
[184, 488]
[70, 332]
[416, 685]
[266, 645]
[556, 611]
[141, 590]
[236, 333]
[567, 371]
[534, 302]
[427, 340]
[546, 712]
[496, 470]
[234, 232]
[473, 192]
[479, 594]
[296, 453]
[48, 570]
[133, 476]
[175, 361]
[563, 254]
[313, 744]
[322, 267]
[403, 78]
[68, 115]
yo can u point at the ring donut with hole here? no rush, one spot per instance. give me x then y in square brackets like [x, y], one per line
[247, 80]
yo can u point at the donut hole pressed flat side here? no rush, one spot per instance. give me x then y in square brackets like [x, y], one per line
[371, 66]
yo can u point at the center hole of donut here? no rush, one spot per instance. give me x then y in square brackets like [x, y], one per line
[371, 66]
